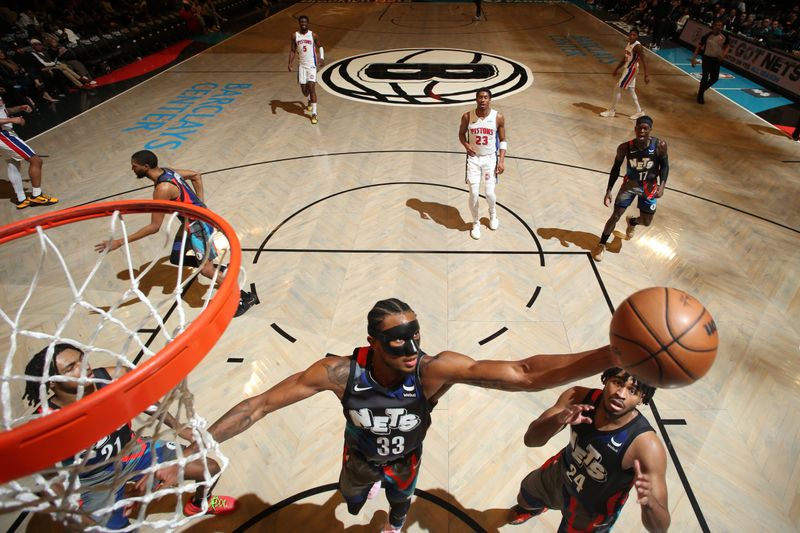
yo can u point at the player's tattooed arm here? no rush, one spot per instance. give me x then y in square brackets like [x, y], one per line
[338, 371]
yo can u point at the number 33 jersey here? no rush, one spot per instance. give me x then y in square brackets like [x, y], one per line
[482, 133]
[383, 425]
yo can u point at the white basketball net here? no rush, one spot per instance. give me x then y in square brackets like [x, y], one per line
[75, 296]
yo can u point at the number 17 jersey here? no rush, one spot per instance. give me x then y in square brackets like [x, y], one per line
[383, 425]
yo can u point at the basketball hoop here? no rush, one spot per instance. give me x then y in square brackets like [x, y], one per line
[33, 442]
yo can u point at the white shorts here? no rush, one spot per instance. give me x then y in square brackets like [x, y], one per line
[627, 81]
[481, 168]
[306, 74]
[13, 148]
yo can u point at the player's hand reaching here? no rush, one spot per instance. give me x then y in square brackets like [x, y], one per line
[110, 245]
[573, 414]
[642, 484]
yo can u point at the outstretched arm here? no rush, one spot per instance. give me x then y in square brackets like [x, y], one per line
[156, 219]
[650, 466]
[532, 374]
[566, 410]
[663, 173]
[327, 374]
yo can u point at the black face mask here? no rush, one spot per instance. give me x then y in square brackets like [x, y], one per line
[404, 332]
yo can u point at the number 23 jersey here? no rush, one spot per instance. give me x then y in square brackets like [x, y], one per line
[482, 133]
[383, 425]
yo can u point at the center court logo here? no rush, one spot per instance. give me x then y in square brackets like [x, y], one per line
[424, 77]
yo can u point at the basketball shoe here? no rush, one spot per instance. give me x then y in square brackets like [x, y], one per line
[494, 222]
[313, 119]
[475, 232]
[389, 528]
[216, 505]
[308, 107]
[598, 252]
[246, 301]
[609, 113]
[631, 229]
[42, 199]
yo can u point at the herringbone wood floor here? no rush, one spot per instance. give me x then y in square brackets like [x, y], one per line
[370, 203]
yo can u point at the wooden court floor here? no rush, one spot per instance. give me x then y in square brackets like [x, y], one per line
[371, 203]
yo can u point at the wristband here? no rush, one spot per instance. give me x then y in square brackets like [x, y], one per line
[321, 53]
[503, 145]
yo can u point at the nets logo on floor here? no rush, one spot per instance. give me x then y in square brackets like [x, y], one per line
[424, 77]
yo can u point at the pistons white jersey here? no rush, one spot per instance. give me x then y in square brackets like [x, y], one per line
[306, 51]
[482, 133]
[631, 59]
[4, 114]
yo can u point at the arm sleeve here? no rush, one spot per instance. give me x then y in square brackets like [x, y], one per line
[614, 174]
[664, 169]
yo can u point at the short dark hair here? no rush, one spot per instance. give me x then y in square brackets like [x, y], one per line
[484, 90]
[35, 368]
[381, 310]
[647, 390]
[634, 30]
[146, 157]
[646, 119]
[301, 17]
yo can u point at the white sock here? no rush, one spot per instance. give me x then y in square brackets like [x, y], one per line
[16, 180]
[474, 190]
[635, 99]
[617, 96]
[36, 191]
[314, 108]
[491, 198]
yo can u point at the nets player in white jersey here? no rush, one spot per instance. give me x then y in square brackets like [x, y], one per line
[482, 133]
[388, 389]
[304, 45]
[611, 449]
[634, 56]
[15, 151]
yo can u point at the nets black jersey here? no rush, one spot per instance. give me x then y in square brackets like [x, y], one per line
[110, 445]
[643, 164]
[383, 425]
[592, 461]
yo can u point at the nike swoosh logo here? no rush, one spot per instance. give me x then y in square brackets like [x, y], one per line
[615, 443]
[359, 389]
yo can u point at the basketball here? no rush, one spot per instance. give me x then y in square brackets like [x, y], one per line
[664, 337]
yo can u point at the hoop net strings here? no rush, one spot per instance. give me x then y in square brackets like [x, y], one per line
[58, 489]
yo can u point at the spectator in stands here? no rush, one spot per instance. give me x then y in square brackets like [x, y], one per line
[212, 20]
[191, 16]
[17, 80]
[27, 20]
[50, 65]
[65, 55]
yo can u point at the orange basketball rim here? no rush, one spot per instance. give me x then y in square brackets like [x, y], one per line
[45, 441]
